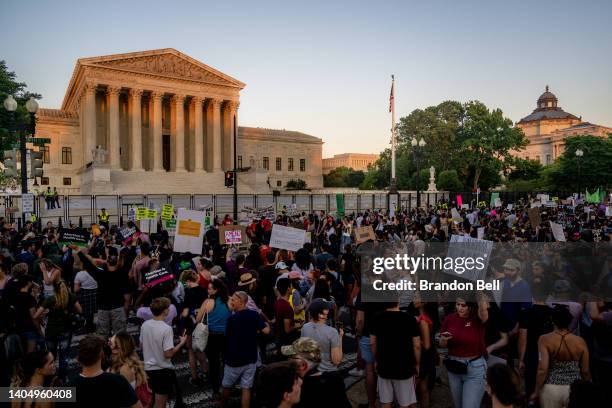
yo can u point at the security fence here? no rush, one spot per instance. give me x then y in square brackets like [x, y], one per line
[84, 209]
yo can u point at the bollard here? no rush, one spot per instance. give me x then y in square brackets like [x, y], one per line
[80, 222]
[59, 222]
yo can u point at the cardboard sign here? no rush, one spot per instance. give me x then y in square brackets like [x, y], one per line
[233, 233]
[78, 237]
[534, 217]
[232, 237]
[557, 231]
[287, 238]
[167, 212]
[156, 276]
[189, 231]
[364, 234]
[141, 213]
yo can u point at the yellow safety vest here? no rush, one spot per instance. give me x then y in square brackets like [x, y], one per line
[298, 317]
[33, 217]
[103, 217]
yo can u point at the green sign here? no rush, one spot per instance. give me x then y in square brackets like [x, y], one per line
[39, 140]
[340, 204]
[171, 224]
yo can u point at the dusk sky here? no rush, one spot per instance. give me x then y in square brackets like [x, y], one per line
[324, 67]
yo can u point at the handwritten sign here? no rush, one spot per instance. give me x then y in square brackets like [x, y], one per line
[230, 234]
[364, 234]
[557, 230]
[287, 238]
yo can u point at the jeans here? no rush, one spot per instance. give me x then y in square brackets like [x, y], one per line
[214, 351]
[467, 389]
[60, 348]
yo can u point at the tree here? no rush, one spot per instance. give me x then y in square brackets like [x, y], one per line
[525, 170]
[449, 180]
[343, 177]
[486, 139]
[591, 171]
[296, 184]
[9, 86]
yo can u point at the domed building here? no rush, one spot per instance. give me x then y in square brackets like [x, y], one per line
[547, 127]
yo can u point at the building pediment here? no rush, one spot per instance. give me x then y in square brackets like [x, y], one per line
[165, 63]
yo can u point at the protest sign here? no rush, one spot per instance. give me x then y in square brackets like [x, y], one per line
[465, 247]
[27, 203]
[128, 233]
[542, 197]
[363, 234]
[480, 232]
[189, 231]
[340, 205]
[132, 214]
[167, 212]
[232, 234]
[170, 226]
[465, 206]
[456, 216]
[494, 196]
[498, 202]
[459, 201]
[151, 214]
[534, 217]
[248, 214]
[287, 238]
[209, 219]
[77, 236]
[141, 213]
[608, 211]
[510, 206]
[157, 276]
[557, 231]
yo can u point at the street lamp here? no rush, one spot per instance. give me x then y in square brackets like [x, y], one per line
[417, 149]
[10, 104]
[579, 154]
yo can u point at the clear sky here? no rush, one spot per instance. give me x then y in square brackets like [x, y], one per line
[323, 67]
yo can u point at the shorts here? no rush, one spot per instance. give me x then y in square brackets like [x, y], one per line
[366, 349]
[246, 375]
[161, 381]
[402, 390]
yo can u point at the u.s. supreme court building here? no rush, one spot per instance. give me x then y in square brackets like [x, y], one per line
[161, 122]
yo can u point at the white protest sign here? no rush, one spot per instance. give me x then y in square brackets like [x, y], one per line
[480, 232]
[287, 238]
[465, 206]
[132, 214]
[464, 247]
[557, 231]
[455, 215]
[498, 202]
[509, 206]
[27, 203]
[189, 233]
[543, 197]
[608, 211]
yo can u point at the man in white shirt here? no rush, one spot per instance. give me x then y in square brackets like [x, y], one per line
[156, 339]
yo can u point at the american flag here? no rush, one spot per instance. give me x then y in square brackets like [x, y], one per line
[392, 95]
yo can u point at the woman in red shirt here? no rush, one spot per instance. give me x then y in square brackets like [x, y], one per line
[463, 332]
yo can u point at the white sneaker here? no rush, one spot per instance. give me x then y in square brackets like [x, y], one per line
[356, 372]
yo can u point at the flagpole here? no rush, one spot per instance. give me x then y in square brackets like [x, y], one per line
[393, 187]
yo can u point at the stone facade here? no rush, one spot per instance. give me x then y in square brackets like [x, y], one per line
[162, 120]
[355, 161]
[547, 127]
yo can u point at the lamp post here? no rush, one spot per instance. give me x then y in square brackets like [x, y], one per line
[10, 104]
[579, 154]
[417, 149]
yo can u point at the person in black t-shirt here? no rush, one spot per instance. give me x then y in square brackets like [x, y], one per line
[396, 345]
[96, 388]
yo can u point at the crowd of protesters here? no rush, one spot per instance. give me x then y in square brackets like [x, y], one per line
[275, 319]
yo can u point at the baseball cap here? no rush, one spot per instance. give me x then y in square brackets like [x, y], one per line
[317, 306]
[304, 347]
[281, 265]
[512, 264]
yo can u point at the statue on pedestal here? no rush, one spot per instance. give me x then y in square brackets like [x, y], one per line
[99, 155]
[432, 179]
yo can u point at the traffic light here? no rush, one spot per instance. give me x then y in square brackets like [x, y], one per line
[36, 164]
[10, 163]
[229, 179]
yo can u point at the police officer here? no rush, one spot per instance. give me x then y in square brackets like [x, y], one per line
[49, 199]
[103, 217]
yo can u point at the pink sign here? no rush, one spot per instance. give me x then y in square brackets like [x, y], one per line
[459, 201]
[233, 237]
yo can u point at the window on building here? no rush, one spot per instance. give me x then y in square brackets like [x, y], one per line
[547, 159]
[66, 155]
[290, 164]
[266, 163]
[302, 164]
[67, 181]
[538, 159]
[279, 183]
[44, 181]
[46, 154]
[239, 162]
[279, 164]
